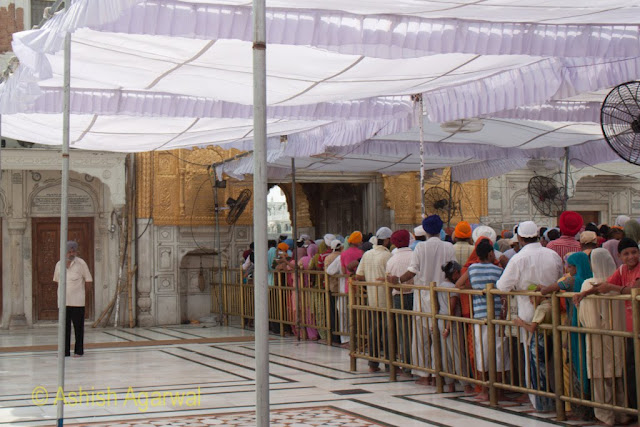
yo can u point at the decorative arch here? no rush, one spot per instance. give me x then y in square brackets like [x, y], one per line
[83, 199]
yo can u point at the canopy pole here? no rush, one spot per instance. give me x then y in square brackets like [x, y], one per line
[64, 225]
[216, 208]
[420, 112]
[566, 178]
[295, 243]
[260, 212]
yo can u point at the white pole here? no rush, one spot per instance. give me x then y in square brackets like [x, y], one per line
[64, 224]
[421, 125]
[260, 213]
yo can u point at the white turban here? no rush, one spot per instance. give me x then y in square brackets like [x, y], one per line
[485, 231]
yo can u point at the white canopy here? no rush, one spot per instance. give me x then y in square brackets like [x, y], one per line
[150, 75]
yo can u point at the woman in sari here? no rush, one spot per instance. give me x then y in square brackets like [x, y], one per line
[604, 353]
[305, 265]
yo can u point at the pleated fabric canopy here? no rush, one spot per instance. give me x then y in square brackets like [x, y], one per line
[149, 75]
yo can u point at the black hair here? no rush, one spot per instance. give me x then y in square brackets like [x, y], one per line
[528, 240]
[272, 243]
[450, 269]
[553, 234]
[483, 249]
[366, 246]
[604, 230]
[542, 230]
[626, 243]
[300, 244]
[592, 227]
[421, 238]
[251, 246]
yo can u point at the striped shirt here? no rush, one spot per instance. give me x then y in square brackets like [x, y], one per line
[564, 245]
[479, 276]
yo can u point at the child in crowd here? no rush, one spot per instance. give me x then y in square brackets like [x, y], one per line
[541, 363]
[451, 333]
[480, 275]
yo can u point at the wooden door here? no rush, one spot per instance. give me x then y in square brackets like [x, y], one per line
[590, 216]
[45, 255]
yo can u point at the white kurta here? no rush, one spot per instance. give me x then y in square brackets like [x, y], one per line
[426, 263]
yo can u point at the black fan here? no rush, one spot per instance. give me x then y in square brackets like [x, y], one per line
[237, 206]
[438, 201]
[545, 195]
[620, 121]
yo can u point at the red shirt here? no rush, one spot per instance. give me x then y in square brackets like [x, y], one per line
[626, 278]
[564, 245]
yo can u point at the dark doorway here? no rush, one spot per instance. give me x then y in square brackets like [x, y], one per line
[336, 208]
[46, 253]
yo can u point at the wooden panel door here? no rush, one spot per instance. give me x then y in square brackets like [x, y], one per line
[46, 253]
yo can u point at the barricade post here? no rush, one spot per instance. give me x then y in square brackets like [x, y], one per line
[557, 356]
[327, 307]
[491, 342]
[390, 332]
[435, 339]
[242, 308]
[352, 323]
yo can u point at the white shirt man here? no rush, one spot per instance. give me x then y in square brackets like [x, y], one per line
[77, 276]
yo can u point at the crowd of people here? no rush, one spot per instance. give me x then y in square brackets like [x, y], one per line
[573, 257]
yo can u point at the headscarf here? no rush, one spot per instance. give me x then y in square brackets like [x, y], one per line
[328, 238]
[632, 230]
[290, 243]
[621, 220]
[503, 245]
[581, 261]
[305, 261]
[602, 264]
[355, 238]
[302, 252]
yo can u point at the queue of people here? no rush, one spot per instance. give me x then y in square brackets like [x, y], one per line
[574, 257]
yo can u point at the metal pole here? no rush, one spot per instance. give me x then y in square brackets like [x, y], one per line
[64, 225]
[421, 125]
[218, 246]
[566, 178]
[296, 281]
[260, 212]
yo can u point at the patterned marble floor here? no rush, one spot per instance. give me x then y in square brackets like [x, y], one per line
[196, 384]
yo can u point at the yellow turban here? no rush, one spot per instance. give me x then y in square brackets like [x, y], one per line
[355, 238]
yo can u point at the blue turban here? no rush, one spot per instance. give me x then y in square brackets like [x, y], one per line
[432, 225]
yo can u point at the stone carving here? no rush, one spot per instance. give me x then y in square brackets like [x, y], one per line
[165, 259]
[46, 200]
[165, 284]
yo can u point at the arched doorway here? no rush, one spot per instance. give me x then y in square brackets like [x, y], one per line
[195, 285]
[278, 217]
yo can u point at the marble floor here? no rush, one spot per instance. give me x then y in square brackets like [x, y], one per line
[195, 383]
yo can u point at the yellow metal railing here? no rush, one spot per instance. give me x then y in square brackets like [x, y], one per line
[449, 347]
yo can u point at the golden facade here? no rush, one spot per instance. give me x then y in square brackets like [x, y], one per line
[176, 187]
[402, 193]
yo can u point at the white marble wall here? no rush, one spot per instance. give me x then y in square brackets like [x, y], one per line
[609, 190]
[30, 188]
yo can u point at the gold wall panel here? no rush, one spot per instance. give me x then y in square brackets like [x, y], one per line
[175, 188]
[303, 219]
[402, 194]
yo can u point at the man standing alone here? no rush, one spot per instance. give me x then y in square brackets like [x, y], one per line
[77, 276]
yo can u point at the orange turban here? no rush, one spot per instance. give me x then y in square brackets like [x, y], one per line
[283, 246]
[355, 238]
[463, 230]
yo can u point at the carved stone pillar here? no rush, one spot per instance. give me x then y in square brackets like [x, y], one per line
[146, 276]
[16, 274]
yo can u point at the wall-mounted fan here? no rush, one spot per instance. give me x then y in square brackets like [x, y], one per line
[237, 206]
[546, 195]
[620, 121]
[438, 201]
